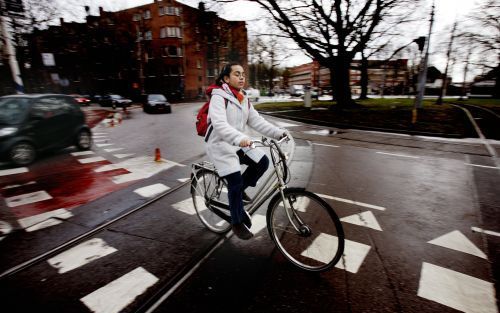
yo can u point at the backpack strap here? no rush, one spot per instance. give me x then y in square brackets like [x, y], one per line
[210, 127]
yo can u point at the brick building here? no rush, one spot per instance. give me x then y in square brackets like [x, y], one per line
[162, 47]
[393, 76]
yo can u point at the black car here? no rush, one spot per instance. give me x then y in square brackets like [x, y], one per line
[30, 124]
[114, 101]
[156, 103]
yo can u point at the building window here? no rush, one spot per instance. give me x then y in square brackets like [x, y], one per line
[172, 51]
[136, 17]
[147, 14]
[148, 35]
[160, 11]
[172, 11]
[198, 63]
[163, 32]
[197, 46]
[174, 32]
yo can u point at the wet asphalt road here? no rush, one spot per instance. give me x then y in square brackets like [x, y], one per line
[415, 189]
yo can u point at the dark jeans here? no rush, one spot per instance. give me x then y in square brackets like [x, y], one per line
[237, 183]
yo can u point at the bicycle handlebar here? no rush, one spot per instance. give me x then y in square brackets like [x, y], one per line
[264, 142]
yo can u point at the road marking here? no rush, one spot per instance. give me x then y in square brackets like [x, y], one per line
[400, 155]
[284, 124]
[82, 153]
[366, 205]
[92, 160]
[325, 145]
[488, 232]
[99, 145]
[456, 290]
[325, 246]
[455, 240]
[187, 206]
[152, 190]
[100, 140]
[123, 155]
[142, 167]
[113, 149]
[485, 166]
[20, 185]
[100, 137]
[116, 295]
[100, 134]
[107, 167]
[27, 198]
[258, 223]
[30, 221]
[80, 255]
[366, 219]
[13, 171]
[183, 180]
[5, 229]
[125, 178]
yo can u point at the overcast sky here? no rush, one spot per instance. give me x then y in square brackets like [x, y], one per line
[446, 12]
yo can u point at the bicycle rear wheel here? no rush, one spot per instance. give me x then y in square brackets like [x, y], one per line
[206, 188]
[310, 235]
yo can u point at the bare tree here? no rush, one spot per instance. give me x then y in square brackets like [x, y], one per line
[486, 19]
[333, 32]
[267, 53]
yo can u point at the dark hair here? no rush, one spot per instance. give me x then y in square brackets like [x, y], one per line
[225, 71]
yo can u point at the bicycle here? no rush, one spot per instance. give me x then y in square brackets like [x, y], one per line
[305, 228]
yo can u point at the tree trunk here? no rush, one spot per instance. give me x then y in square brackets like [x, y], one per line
[364, 77]
[340, 80]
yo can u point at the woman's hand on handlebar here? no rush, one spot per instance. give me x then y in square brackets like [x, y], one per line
[245, 143]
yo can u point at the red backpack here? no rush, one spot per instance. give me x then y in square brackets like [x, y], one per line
[202, 118]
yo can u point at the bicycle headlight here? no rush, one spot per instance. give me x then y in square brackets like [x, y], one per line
[7, 131]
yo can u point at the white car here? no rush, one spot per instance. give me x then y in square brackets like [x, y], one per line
[253, 94]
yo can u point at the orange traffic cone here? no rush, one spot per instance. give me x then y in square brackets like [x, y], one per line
[157, 155]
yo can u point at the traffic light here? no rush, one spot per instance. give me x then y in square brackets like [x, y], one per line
[420, 42]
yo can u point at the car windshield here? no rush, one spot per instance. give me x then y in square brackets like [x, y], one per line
[157, 98]
[116, 96]
[13, 110]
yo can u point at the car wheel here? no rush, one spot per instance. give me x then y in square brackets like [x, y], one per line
[22, 153]
[84, 139]
[169, 110]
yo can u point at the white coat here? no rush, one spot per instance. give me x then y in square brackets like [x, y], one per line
[227, 126]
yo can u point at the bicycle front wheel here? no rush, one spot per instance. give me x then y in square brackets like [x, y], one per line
[308, 232]
[207, 187]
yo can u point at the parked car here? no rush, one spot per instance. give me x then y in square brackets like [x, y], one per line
[156, 103]
[253, 94]
[82, 100]
[31, 124]
[114, 100]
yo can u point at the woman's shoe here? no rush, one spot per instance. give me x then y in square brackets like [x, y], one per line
[242, 231]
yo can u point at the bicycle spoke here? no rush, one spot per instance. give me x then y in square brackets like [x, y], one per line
[319, 243]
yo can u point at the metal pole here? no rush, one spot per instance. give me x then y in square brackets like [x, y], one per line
[10, 50]
[423, 73]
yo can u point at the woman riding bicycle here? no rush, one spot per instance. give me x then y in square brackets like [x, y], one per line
[227, 146]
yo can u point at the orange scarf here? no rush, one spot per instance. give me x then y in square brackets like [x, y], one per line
[237, 93]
